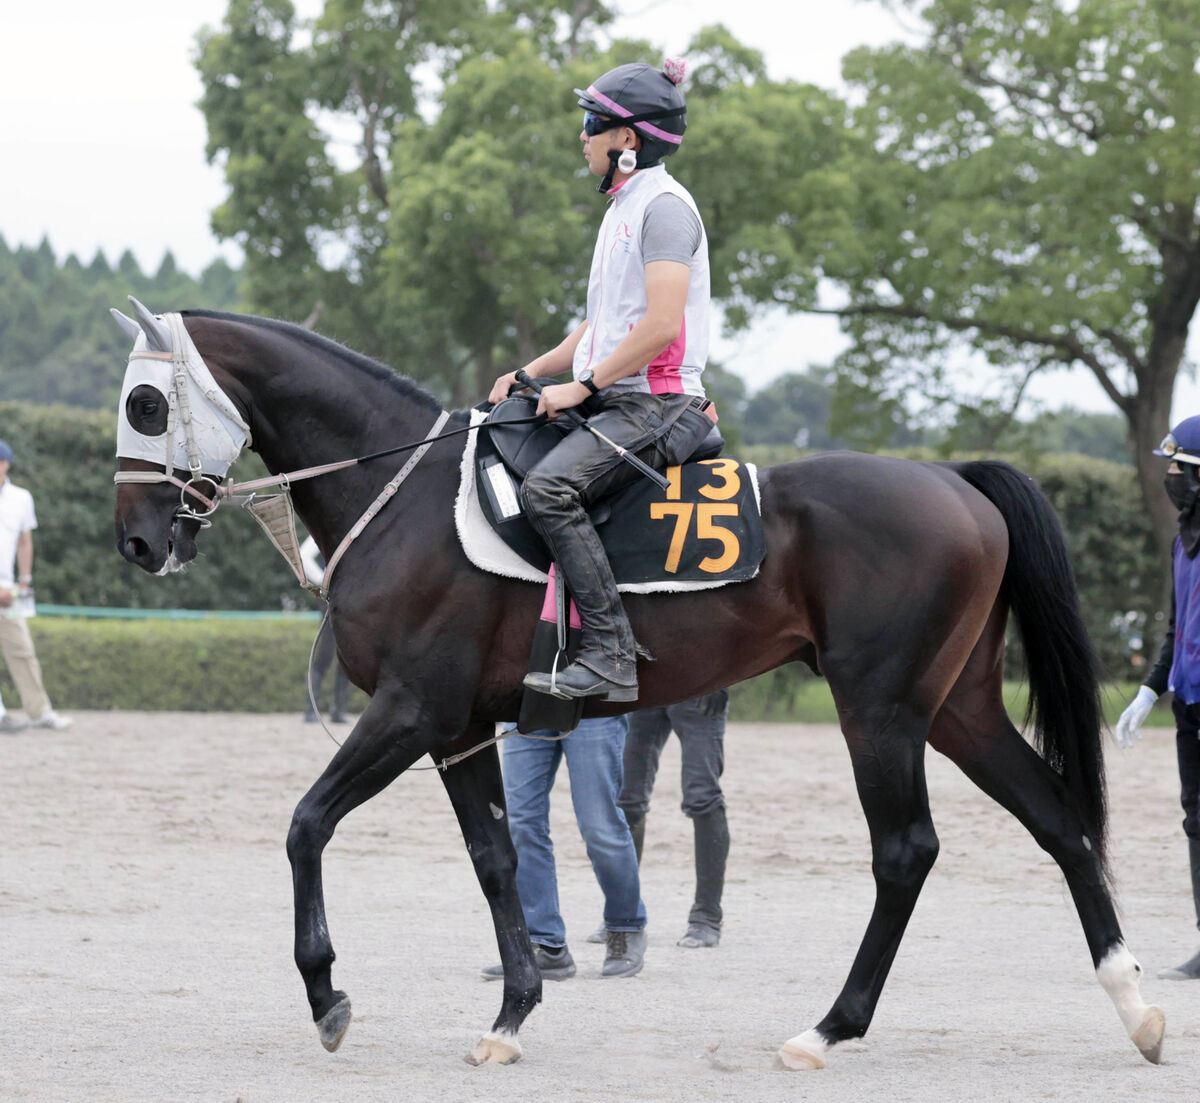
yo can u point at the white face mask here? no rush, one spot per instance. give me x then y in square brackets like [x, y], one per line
[176, 384]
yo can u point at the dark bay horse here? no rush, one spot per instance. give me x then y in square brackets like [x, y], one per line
[892, 578]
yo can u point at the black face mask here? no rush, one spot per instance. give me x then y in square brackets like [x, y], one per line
[1176, 484]
[1184, 491]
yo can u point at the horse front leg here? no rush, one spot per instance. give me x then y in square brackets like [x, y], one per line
[476, 791]
[386, 740]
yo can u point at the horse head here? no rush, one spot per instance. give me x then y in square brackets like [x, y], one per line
[177, 434]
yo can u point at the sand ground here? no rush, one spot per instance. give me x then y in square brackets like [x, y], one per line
[146, 928]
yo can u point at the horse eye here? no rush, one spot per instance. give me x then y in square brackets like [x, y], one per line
[146, 409]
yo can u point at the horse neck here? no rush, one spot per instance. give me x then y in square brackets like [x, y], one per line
[310, 407]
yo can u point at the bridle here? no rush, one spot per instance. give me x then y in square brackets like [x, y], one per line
[274, 513]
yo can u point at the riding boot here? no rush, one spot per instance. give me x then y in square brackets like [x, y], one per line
[1190, 969]
[637, 828]
[711, 834]
[606, 665]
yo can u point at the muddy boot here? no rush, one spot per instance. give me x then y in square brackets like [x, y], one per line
[637, 828]
[711, 834]
[1190, 969]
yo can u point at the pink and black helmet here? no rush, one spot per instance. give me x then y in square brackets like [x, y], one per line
[645, 98]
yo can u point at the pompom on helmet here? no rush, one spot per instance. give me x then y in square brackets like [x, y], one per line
[644, 98]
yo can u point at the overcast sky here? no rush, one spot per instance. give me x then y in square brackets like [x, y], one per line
[102, 146]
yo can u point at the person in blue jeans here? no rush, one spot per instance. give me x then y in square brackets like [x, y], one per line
[594, 753]
[700, 725]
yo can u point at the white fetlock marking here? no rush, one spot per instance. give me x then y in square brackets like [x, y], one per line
[804, 1051]
[1120, 975]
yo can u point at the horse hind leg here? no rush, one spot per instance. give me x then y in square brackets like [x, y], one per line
[973, 730]
[887, 751]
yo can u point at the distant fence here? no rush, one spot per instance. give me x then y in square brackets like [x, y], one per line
[104, 612]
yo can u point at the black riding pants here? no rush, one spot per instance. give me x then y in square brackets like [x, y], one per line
[1187, 748]
[578, 472]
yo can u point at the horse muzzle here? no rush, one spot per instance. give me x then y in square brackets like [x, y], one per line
[155, 550]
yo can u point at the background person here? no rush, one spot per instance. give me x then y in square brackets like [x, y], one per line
[17, 522]
[1178, 666]
[325, 651]
[593, 753]
[700, 726]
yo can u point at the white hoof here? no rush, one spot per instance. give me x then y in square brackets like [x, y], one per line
[1120, 974]
[803, 1053]
[798, 1060]
[495, 1049]
[1148, 1037]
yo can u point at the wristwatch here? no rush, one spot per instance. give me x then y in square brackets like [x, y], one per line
[585, 377]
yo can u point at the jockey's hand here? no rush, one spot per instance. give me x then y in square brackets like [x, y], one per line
[6, 597]
[1129, 726]
[559, 397]
[502, 386]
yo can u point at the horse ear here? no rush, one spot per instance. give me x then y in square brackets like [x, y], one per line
[158, 337]
[128, 326]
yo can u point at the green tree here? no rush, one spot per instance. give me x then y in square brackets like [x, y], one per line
[322, 128]
[57, 340]
[1021, 185]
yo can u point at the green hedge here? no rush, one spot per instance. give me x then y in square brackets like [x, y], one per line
[166, 665]
[259, 666]
[65, 457]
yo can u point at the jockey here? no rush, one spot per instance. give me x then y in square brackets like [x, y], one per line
[636, 359]
[1178, 666]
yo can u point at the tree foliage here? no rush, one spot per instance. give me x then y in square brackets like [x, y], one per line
[1022, 185]
[58, 342]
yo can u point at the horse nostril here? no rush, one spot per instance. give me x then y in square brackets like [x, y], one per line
[136, 549]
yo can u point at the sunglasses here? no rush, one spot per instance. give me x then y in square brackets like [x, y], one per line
[594, 124]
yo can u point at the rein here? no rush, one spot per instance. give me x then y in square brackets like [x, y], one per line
[245, 493]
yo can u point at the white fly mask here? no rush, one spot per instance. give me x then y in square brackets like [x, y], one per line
[179, 416]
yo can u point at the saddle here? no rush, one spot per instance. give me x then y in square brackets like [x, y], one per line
[704, 531]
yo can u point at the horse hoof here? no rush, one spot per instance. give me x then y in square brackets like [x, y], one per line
[332, 1026]
[496, 1049]
[793, 1057]
[1149, 1035]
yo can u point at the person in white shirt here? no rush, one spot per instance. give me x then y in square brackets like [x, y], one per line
[636, 359]
[17, 522]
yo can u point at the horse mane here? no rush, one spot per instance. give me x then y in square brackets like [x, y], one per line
[405, 386]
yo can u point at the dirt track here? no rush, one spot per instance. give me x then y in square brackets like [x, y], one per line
[145, 905]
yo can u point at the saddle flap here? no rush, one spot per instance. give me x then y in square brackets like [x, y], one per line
[521, 446]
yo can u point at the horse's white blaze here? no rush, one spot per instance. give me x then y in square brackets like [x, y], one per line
[804, 1051]
[1120, 975]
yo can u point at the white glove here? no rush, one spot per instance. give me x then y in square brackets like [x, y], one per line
[1129, 726]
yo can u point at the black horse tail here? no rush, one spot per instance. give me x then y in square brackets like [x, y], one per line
[1061, 663]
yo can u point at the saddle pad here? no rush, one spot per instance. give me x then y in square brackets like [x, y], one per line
[704, 532]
